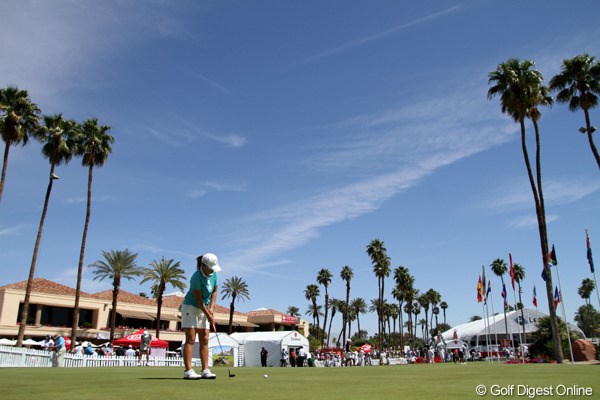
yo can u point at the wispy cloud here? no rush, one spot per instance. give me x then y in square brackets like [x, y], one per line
[528, 221]
[557, 190]
[11, 231]
[410, 146]
[369, 38]
[203, 188]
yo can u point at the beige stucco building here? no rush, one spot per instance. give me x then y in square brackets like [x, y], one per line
[51, 311]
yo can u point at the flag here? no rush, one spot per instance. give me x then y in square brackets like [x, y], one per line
[512, 272]
[479, 291]
[589, 251]
[556, 297]
[534, 296]
[504, 296]
[551, 259]
[489, 289]
[483, 283]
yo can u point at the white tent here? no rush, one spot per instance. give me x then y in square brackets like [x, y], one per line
[7, 342]
[251, 344]
[230, 349]
[474, 333]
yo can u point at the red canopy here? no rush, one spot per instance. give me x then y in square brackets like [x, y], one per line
[135, 338]
[367, 348]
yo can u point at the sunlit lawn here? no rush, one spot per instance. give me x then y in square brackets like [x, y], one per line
[427, 382]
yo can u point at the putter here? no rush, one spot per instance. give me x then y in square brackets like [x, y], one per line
[218, 340]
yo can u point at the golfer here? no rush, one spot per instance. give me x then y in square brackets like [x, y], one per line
[145, 340]
[197, 313]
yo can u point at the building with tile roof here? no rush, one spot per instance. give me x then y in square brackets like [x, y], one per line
[51, 311]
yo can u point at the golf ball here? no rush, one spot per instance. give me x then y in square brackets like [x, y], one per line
[266, 376]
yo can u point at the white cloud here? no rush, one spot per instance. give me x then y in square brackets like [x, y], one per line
[528, 221]
[11, 231]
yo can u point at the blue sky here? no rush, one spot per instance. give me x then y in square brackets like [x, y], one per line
[285, 136]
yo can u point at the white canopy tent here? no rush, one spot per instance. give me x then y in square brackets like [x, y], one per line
[251, 344]
[480, 332]
[230, 348]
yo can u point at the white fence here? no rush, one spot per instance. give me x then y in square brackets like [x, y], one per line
[22, 357]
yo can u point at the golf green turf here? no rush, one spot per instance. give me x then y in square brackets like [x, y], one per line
[426, 382]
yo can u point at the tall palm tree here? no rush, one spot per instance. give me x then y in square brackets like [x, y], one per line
[18, 120]
[334, 305]
[423, 323]
[416, 310]
[444, 307]
[162, 273]
[519, 273]
[359, 306]
[236, 288]
[521, 92]
[324, 278]
[311, 293]
[314, 311]
[499, 268]
[434, 299]
[424, 302]
[381, 267]
[94, 146]
[585, 291]
[58, 137]
[346, 274]
[117, 265]
[293, 311]
[410, 297]
[403, 281]
[578, 84]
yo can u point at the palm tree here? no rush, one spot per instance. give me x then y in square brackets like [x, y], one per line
[311, 293]
[324, 278]
[423, 323]
[416, 310]
[236, 288]
[519, 273]
[293, 311]
[521, 91]
[161, 273]
[334, 304]
[499, 268]
[425, 303]
[578, 84]
[117, 265]
[381, 267]
[585, 291]
[314, 311]
[410, 297]
[444, 306]
[346, 274]
[403, 281]
[94, 145]
[359, 306]
[58, 137]
[434, 299]
[18, 120]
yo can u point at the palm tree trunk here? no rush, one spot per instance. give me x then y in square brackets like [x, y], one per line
[4, 166]
[113, 311]
[25, 310]
[329, 330]
[326, 305]
[231, 310]
[159, 300]
[589, 135]
[81, 256]
[543, 237]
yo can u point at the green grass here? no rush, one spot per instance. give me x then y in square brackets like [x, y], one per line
[425, 382]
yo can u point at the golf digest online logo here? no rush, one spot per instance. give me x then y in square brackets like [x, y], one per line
[534, 391]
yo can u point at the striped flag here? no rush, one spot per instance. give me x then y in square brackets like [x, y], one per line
[556, 297]
[504, 296]
[551, 259]
[534, 296]
[589, 251]
[512, 271]
[479, 291]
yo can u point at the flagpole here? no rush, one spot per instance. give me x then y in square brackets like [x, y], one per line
[591, 262]
[512, 281]
[487, 327]
[562, 305]
[495, 332]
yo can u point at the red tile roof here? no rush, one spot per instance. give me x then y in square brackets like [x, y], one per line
[125, 297]
[266, 311]
[41, 285]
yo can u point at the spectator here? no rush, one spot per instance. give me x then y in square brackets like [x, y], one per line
[130, 352]
[263, 357]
